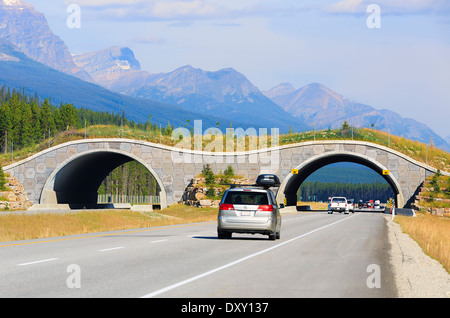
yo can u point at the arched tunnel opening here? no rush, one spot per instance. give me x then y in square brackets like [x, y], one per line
[77, 183]
[293, 184]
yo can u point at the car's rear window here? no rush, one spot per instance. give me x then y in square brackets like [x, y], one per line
[339, 200]
[241, 197]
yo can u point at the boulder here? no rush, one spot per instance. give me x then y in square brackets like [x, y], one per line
[16, 198]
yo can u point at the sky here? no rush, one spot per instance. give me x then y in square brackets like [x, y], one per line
[390, 54]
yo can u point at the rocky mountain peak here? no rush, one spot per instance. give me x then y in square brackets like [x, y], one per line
[107, 65]
[14, 3]
[28, 30]
[279, 90]
[217, 84]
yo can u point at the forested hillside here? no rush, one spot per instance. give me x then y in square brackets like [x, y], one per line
[25, 120]
[321, 191]
[347, 179]
[130, 179]
[345, 172]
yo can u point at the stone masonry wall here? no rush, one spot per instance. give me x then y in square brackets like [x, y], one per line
[174, 172]
[16, 198]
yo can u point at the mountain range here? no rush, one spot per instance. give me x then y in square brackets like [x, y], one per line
[324, 108]
[32, 57]
[28, 30]
[225, 93]
[20, 72]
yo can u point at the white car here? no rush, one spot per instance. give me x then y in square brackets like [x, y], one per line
[376, 204]
[338, 204]
[351, 205]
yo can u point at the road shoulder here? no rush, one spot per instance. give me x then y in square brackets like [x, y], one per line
[416, 274]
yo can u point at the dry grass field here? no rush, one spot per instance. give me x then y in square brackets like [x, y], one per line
[314, 205]
[432, 233]
[14, 227]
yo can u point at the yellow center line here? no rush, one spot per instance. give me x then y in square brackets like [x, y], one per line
[103, 235]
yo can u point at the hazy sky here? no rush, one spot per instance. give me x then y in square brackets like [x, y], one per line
[403, 66]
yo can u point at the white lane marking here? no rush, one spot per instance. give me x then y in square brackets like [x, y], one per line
[37, 262]
[111, 249]
[158, 241]
[184, 282]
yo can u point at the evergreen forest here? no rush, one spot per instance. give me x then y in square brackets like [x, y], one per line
[321, 191]
[25, 121]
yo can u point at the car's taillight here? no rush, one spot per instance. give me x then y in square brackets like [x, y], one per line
[265, 208]
[226, 206]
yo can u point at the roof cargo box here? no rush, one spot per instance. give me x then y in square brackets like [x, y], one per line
[268, 180]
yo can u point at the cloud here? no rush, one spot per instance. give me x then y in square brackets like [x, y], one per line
[149, 39]
[153, 9]
[391, 6]
[181, 9]
[184, 10]
[102, 3]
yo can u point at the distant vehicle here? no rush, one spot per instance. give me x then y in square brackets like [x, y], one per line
[368, 204]
[376, 204]
[250, 209]
[338, 204]
[351, 205]
[360, 204]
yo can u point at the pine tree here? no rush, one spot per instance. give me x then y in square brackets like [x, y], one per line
[46, 119]
[208, 174]
[5, 125]
[15, 120]
[26, 128]
[2, 180]
[36, 130]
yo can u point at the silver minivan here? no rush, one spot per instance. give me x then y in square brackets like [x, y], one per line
[249, 209]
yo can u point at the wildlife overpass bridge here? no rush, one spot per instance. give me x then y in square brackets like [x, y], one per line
[71, 173]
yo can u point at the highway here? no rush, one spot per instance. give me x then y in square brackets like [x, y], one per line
[318, 255]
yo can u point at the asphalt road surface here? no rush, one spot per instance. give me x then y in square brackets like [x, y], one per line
[318, 255]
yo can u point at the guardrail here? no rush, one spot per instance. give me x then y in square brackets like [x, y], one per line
[132, 199]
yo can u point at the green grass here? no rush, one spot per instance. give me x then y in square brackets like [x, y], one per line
[433, 156]
[435, 197]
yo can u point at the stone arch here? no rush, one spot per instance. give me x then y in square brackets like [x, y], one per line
[76, 180]
[290, 185]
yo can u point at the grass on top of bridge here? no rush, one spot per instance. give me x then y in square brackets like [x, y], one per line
[16, 227]
[421, 152]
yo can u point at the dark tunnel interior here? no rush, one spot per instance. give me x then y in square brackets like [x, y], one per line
[295, 181]
[77, 183]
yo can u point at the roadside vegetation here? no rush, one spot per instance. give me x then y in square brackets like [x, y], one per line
[216, 183]
[431, 232]
[431, 228]
[2, 180]
[421, 152]
[16, 227]
[314, 205]
[425, 153]
[435, 192]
